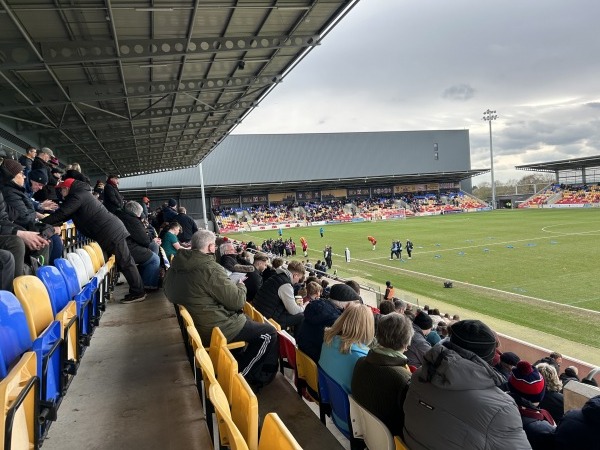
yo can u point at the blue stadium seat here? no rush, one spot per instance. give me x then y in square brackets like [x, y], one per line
[86, 298]
[15, 340]
[69, 274]
[334, 394]
[59, 299]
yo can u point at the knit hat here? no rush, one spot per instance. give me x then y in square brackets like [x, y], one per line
[47, 151]
[12, 168]
[475, 336]
[526, 381]
[510, 358]
[39, 176]
[423, 321]
[343, 293]
[172, 202]
[54, 161]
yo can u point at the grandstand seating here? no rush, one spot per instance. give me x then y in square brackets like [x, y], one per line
[226, 370]
[307, 380]
[18, 403]
[16, 341]
[87, 262]
[83, 297]
[218, 340]
[77, 262]
[244, 410]
[335, 396]
[369, 428]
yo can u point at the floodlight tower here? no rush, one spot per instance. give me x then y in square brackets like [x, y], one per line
[488, 116]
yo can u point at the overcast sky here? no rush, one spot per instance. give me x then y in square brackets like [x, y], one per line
[438, 64]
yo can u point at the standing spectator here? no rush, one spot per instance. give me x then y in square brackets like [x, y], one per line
[139, 243]
[380, 379]
[579, 427]
[93, 220]
[196, 281]
[553, 400]
[169, 241]
[275, 299]
[169, 211]
[99, 189]
[188, 225]
[454, 401]
[145, 207]
[113, 200]
[415, 353]
[347, 254]
[42, 162]
[527, 388]
[409, 248]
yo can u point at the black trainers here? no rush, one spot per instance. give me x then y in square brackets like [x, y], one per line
[134, 298]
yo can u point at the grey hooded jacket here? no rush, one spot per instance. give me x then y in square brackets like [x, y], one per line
[454, 402]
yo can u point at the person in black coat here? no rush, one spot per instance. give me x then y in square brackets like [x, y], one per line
[320, 314]
[93, 220]
[113, 199]
[579, 427]
[139, 243]
[41, 162]
[188, 226]
[254, 279]
[14, 238]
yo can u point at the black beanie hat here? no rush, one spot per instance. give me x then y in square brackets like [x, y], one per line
[475, 336]
[423, 321]
[343, 293]
[39, 176]
[12, 168]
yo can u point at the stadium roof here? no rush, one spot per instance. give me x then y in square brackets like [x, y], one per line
[259, 163]
[136, 86]
[564, 164]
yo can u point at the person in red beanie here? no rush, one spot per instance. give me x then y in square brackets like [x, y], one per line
[527, 388]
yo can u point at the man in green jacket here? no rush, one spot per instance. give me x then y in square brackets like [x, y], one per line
[196, 281]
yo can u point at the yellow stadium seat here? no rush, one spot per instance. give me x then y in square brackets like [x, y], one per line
[226, 370]
[18, 402]
[244, 411]
[96, 264]
[218, 340]
[203, 361]
[34, 298]
[231, 434]
[99, 252]
[248, 309]
[257, 316]
[399, 444]
[308, 377]
[275, 435]
[275, 324]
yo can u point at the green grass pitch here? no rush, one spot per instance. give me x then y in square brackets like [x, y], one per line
[522, 266]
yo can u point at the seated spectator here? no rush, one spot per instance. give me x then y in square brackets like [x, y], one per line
[386, 307]
[196, 281]
[7, 270]
[553, 400]
[169, 241]
[527, 388]
[570, 374]
[380, 379]
[313, 292]
[276, 300]
[323, 313]
[433, 337]
[419, 346]
[454, 401]
[554, 359]
[579, 427]
[254, 279]
[508, 360]
[169, 211]
[230, 260]
[271, 269]
[139, 242]
[399, 305]
[344, 343]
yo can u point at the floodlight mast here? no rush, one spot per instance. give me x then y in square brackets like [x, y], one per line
[488, 116]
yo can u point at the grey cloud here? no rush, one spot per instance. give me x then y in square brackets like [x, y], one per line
[459, 92]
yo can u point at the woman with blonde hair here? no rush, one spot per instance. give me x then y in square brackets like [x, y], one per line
[345, 342]
[553, 400]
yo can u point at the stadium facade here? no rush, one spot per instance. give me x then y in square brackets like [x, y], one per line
[264, 168]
